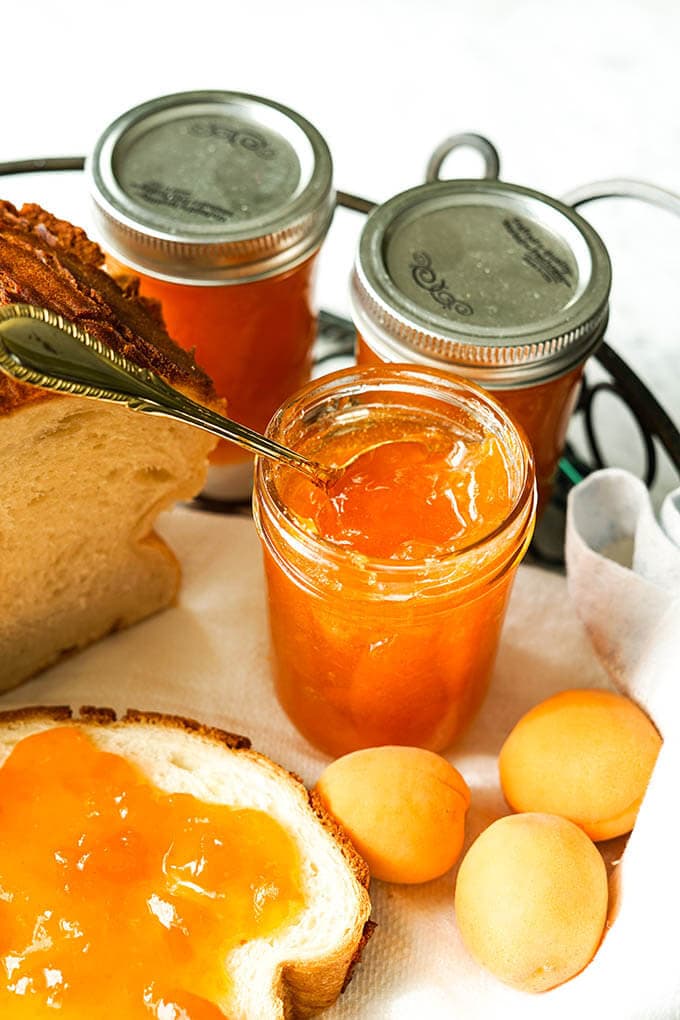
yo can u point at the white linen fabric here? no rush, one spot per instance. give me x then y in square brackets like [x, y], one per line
[624, 580]
[208, 657]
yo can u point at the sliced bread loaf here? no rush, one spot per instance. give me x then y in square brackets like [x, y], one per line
[81, 482]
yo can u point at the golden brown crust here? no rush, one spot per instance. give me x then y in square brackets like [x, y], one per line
[102, 716]
[58, 233]
[369, 928]
[98, 716]
[234, 741]
[356, 863]
[39, 713]
[49, 262]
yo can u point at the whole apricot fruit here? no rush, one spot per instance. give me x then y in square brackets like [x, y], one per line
[531, 900]
[584, 754]
[403, 807]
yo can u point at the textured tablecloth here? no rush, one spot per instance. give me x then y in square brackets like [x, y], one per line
[208, 657]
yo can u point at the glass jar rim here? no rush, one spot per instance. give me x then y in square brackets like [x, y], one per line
[409, 379]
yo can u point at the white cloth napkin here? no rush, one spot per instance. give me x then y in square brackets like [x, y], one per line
[624, 579]
[208, 657]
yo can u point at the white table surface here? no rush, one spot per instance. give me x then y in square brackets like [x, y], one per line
[569, 93]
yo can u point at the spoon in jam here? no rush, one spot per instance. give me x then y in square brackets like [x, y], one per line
[43, 349]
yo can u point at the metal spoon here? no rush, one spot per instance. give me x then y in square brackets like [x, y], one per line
[43, 349]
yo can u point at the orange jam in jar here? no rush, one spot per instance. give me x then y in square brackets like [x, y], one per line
[120, 900]
[387, 590]
[492, 282]
[220, 201]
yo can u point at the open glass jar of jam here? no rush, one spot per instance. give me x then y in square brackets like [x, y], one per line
[219, 201]
[387, 591]
[491, 281]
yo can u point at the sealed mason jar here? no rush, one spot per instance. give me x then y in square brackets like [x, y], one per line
[491, 281]
[219, 202]
[378, 640]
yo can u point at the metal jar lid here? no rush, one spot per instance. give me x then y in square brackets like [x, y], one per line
[211, 187]
[497, 282]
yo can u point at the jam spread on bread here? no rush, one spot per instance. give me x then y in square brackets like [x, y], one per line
[120, 900]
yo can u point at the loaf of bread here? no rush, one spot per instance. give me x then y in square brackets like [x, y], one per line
[82, 482]
[296, 970]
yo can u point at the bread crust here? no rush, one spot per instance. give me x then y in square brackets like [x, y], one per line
[301, 989]
[52, 263]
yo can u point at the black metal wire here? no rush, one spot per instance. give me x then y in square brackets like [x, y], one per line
[354, 202]
[37, 166]
[651, 416]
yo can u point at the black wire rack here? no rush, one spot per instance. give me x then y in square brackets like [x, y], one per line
[335, 344]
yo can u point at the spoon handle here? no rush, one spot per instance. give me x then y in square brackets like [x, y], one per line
[43, 349]
[204, 418]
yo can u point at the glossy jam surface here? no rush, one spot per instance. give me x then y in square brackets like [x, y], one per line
[543, 411]
[119, 900]
[385, 629]
[253, 339]
[407, 499]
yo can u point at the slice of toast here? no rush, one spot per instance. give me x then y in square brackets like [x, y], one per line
[301, 968]
[82, 482]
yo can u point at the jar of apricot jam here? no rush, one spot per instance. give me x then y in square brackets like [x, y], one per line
[491, 281]
[387, 589]
[219, 202]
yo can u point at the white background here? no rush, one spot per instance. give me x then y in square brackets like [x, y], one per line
[569, 93]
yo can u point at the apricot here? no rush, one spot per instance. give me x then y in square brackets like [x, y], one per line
[531, 900]
[404, 809]
[584, 754]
